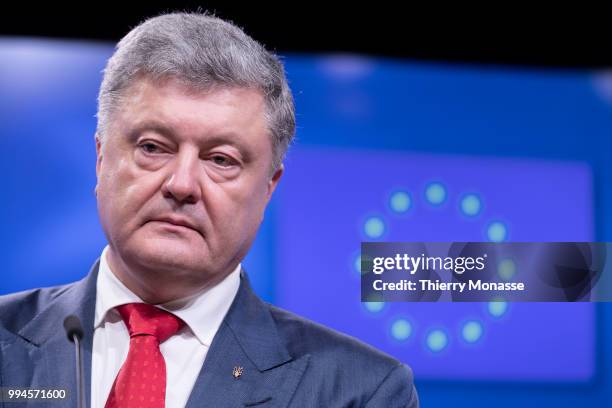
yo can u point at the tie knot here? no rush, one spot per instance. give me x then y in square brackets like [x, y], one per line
[145, 319]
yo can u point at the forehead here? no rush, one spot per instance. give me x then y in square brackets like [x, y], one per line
[189, 113]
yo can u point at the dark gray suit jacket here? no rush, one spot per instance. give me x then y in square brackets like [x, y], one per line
[287, 361]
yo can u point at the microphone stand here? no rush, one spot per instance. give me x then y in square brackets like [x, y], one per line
[74, 331]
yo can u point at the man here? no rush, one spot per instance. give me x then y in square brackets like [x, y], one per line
[194, 119]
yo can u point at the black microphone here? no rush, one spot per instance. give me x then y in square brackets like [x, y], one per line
[74, 331]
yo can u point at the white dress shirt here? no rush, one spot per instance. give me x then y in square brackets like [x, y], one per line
[184, 352]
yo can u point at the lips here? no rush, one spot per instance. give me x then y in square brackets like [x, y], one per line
[180, 221]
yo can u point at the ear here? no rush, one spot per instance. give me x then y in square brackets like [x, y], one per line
[98, 154]
[273, 182]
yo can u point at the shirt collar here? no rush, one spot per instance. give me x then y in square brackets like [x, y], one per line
[202, 312]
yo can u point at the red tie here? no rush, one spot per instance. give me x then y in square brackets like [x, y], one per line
[141, 382]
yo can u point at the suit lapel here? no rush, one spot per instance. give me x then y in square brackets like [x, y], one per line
[247, 363]
[44, 340]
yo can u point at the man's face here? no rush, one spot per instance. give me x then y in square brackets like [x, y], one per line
[183, 181]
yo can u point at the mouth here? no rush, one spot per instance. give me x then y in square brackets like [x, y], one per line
[177, 222]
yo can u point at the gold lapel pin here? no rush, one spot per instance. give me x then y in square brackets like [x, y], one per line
[237, 371]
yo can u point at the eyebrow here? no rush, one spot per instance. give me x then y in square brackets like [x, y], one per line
[168, 132]
[150, 125]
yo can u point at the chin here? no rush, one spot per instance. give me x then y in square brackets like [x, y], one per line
[167, 254]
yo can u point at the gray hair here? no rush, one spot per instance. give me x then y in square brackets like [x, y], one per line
[203, 51]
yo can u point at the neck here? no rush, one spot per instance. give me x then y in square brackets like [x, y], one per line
[155, 285]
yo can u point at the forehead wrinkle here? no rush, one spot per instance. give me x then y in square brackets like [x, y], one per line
[165, 102]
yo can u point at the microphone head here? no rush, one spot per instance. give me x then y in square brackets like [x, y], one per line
[73, 327]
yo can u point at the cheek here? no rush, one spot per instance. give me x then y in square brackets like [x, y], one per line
[235, 210]
[121, 196]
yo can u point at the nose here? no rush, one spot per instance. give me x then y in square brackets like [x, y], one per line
[182, 183]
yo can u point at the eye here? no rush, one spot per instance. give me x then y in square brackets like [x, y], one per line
[222, 161]
[149, 147]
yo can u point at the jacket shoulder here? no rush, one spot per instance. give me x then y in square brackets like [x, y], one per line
[17, 309]
[344, 371]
